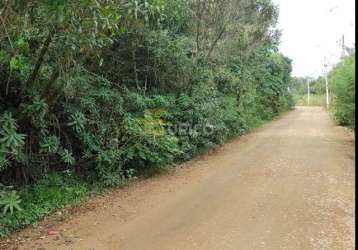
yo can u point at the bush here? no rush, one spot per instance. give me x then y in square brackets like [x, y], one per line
[343, 88]
[9, 200]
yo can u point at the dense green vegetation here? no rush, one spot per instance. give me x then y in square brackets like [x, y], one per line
[95, 91]
[343, 84]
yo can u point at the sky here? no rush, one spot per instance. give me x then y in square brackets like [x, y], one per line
[312, 29]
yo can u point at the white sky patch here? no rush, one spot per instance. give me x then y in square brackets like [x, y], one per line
[312, 29]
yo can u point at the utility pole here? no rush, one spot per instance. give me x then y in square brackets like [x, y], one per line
[327, 91]
[326, 77]
[343, 47]
[308, 92]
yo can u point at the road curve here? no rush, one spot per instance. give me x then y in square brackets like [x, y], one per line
[289, 185]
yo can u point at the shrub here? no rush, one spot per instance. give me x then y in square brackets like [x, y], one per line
[9, 200]
[343, 88]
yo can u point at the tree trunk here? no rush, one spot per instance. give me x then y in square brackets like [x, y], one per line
[40, 60]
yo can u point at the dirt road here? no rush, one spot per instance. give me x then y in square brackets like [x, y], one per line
[290, 185]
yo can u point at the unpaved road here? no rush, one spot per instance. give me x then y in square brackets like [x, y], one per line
[290, 185]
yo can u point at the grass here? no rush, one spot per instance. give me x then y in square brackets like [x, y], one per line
[43, 198]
